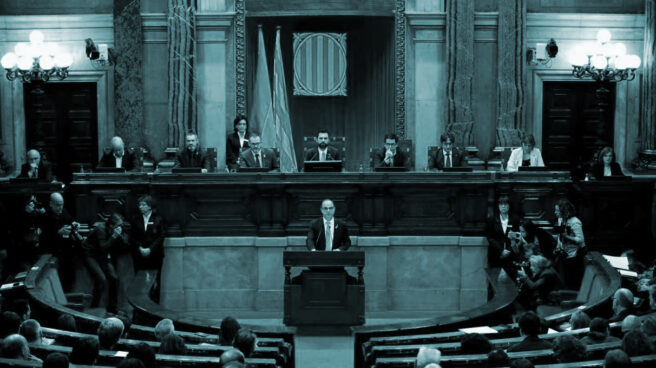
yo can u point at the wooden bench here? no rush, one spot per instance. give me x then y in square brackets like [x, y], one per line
[4, 362]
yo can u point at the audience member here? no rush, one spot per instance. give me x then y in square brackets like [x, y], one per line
[475, 343]
[570, 247]
[630, 323]
[66, 322]
[130, 363]
[529, 326]
[22, 308]
[9, 323]
[192, 155]
[598, 332]
[390, 155]
[433, 365]
[622, 305]
[15, 347]
[537, 289]
[568, 348]
[526, 155]
[257, 156]
[234, 364]
[324, 151]
[649, 328]
[55, 360]
[652, 298]
[163, 328]
[127, 323]
[144, 353]
[231, 355]
[109, 333]
[245, 342]
[579, 319]
[636, 343]
[521, 363]
[499, 250]
[617, 358]
[118, 157]
[426, 356]
[85, 351]
[35, 168]
[447, 155]
[101, 247]
[172, 344]
[237, 142]
[229, 329]
[30, 329]
[497, 358]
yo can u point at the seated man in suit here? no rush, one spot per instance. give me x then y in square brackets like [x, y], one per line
[390, 156]
[192, 155]
[35, 168]
[118, 157]
[256, 156]
[324, 152]
[447, 155]
[327, 233]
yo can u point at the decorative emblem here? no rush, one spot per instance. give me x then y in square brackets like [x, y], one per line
[320, 64]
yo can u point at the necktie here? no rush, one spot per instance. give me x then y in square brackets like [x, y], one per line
[329, 237]
[35, 173]
[448, 159]
[322, 156]
[259, 161]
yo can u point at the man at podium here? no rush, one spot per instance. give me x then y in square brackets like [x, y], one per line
[327, 233]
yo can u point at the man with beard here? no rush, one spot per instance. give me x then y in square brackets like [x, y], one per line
[192, 155]
[256, 156]
[324, 152]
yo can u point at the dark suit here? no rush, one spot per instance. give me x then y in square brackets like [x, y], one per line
[332, 154]
[64, 248]
[598, 170]
[530, 343]
[457, 159]
[44, 172]
[269, 159]
[234, 149]
[316, 237]
[152, 238]
[400, 159]
[129, 161]
[498, 240]
[186, 158]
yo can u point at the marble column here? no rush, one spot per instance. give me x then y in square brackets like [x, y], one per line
[510, 71]
[128, 73]
[400, 42]
[648, 97]
[460, 49]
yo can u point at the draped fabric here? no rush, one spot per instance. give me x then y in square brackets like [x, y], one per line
[460, 48]
[261, 118]
[128, 72]
[510, 104]
[284, 139]
[648, 126]
[182, 57]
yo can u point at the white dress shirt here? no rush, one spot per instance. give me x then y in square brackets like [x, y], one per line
[329, 245]
[119, 161]
[448, 158]
[242, 140]
[323, 154]
[515, 160]
[146, 218]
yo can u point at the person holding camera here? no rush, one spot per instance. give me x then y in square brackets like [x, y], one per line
[570, 246]
[105, 240]
[535, 288]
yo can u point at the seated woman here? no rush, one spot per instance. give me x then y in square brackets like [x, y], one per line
[535, 289]
[526, 155]
[237, 142]
[605, 164]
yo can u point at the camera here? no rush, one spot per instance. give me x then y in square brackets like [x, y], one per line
[514, 235]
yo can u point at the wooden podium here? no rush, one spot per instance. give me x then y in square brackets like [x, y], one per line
[325, 294]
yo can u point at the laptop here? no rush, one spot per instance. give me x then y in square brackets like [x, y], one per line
[533, 168]
[186, 170]
[253, 169]
[322, 166]
[391, 169]
[109, 170]
[458, 169]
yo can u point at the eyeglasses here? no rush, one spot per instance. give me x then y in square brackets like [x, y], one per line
[327, 208]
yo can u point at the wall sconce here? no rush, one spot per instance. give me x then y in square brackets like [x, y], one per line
[36, 61]
[604, 61]
[542, 53]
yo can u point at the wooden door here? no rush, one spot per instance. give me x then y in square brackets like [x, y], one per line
[577, 120]
[61, 121]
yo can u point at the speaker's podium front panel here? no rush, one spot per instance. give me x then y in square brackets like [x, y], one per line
[324, 294]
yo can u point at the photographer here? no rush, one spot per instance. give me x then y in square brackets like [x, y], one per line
[100, 248]
[25, 251]
[535, 289]
[570, 247]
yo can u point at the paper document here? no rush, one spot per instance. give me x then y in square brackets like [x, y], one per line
[480, 330]
[618, 262]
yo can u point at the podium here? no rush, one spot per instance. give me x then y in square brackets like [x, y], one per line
[324, 294]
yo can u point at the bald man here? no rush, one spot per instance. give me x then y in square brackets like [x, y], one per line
[35, 168]
[118, 157]
[327, 233]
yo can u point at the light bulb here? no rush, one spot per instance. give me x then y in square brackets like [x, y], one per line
[21, 49]
[46, 62]
[9, 60]
[608, 50]
[603, 36]
[63, 60]
[621, 62]
[36, 37]
[25, 63]
[34, 51]
[50, 49]
[620, 49]
[598, 61]
[578, 59]
[633, 61]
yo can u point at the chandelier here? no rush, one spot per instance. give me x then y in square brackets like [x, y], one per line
[604, 61]
[36, 61]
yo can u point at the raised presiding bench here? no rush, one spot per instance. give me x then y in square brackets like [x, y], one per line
[325, 294]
